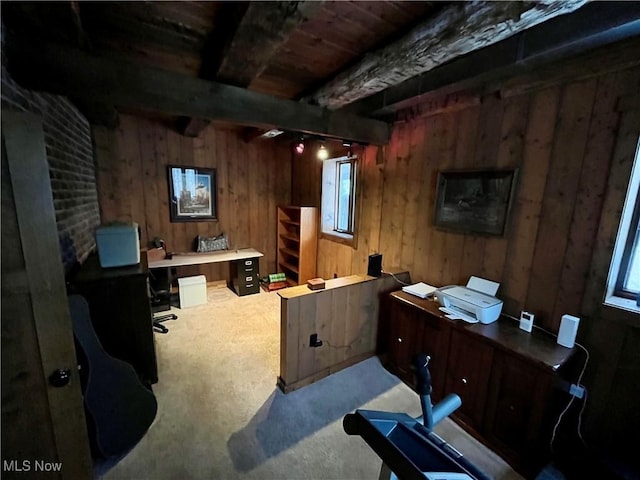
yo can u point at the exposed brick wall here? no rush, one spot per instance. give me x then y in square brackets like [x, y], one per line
[71, 166]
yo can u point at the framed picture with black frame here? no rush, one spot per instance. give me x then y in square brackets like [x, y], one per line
[192, 193]
[474, 201]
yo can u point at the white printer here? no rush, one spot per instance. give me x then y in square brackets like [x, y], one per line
[474, 303]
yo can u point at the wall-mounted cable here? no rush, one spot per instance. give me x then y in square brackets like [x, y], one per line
[573, 397]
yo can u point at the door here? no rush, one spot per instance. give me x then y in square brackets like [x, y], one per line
[434, 342]
[468, 372]
[43, 426]
[404, 332]
[519, 395]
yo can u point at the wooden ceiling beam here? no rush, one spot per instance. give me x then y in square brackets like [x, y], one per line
[139, 22]
[102, 114]
[225, 24]
[454, 31]
[595, 25]
[264, 27]
[97, 113]
[262, 30]
[71, 72]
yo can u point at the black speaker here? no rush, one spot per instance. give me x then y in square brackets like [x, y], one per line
[375, 265]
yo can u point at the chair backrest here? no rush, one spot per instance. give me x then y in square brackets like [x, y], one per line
[159, 282]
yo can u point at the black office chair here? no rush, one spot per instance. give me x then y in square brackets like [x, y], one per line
[160, 294]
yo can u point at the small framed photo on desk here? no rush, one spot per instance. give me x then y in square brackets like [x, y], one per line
[192, 193]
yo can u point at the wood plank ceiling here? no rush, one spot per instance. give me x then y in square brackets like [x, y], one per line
[317, 67]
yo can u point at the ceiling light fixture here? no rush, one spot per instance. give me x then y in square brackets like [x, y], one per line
[323, 153]
[347, 145]
[272, 133]
[299, 148]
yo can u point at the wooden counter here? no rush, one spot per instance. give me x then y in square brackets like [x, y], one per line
[512, 383]
[301, 290]
[344, 315]
[537, 347]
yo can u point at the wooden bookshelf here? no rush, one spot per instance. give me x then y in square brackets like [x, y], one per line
[297, 243]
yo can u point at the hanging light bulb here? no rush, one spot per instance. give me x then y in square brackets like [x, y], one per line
[323, 153]
[347, 145]
[299, 148]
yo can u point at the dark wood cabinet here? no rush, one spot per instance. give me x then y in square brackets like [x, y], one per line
[518, 408]
[411, 333]
[504, 376]
[403, 340]
[121, 314]
[468, 372]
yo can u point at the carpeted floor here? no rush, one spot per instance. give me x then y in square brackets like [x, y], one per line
[220, 414]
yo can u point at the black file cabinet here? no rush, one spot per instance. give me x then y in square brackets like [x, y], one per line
[245, 276]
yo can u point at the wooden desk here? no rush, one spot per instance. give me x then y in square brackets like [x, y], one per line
[184, 259]
[244, 266]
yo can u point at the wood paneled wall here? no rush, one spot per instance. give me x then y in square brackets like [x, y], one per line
[573, 141]
[560, 138]
[252, 179]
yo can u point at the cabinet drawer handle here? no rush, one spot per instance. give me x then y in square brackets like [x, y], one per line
[249, 285]
[248, 262]
[464, 380]
[399, 340]
[248, 279]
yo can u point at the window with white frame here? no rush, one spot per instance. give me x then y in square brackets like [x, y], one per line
[623, 283]
[339, 198]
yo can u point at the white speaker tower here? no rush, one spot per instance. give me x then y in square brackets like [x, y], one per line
[568, 331]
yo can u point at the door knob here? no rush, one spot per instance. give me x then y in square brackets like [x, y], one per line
[60, 377]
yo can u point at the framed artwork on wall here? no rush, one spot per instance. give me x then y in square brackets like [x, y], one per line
[192, 193]
[474, 202]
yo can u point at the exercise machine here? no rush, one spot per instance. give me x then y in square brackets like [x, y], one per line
[408, 447]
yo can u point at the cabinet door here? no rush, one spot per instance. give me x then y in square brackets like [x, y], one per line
[434, 341]
[518, 397]
[404, 332]
[468, 373]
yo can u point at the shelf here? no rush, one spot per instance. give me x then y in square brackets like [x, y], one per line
[289, 237]
[290, 222]
[291, 208]
[290, 252]
[296, 251]
[290, 267]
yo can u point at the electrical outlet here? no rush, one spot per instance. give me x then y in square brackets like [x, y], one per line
[576, 390]
[313, 341]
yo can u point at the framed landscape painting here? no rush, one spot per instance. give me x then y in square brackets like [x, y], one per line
[474, 202]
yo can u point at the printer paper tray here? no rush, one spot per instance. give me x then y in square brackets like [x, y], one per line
[455, 313]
